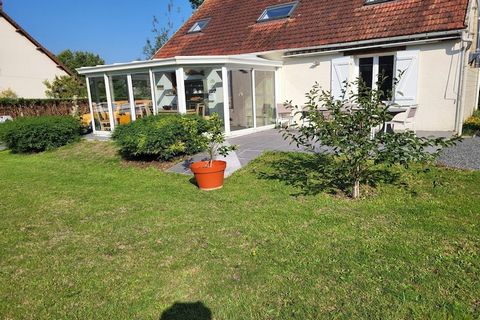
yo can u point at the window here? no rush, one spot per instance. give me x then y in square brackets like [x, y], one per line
[278, 12]
[386, 65]
[375, 1]
[199, 26]
[374, 71]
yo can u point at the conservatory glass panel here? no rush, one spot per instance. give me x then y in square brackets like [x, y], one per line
[204, 91]
[166, 92]
[142, 95]
[98, 94]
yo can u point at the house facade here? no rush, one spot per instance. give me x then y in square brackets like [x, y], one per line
[24, 63]
[242, 59]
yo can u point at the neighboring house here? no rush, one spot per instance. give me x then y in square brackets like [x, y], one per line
[244, 58]
[24, 63]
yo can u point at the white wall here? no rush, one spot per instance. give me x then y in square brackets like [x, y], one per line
[438, 85]
[437, 82]
[300, 74]
[23, 68]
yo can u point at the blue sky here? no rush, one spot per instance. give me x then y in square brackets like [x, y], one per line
[115, 29]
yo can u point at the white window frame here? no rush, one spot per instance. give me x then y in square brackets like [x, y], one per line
[197, 25]
[375, 71]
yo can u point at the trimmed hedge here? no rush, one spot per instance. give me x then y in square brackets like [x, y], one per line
[42, 107]
[37, 134]
[161, 137]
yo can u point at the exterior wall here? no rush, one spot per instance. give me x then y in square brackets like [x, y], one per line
[471, 74]
[438, 79]
[437, 82]
[300, 74]
[23, 68]
[470, 90]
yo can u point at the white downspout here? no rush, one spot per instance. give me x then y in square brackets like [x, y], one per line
[460, 106]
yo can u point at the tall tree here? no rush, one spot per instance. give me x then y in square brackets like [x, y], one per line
[161, 34]
[68, 87]
[77, 59]
[196, 3]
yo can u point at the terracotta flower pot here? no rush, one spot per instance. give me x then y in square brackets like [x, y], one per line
[209, 178]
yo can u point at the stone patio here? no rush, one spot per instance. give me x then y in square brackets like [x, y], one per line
[250, 147]
[465, 155]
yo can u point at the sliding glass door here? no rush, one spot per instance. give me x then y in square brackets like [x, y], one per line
[241, 99]
[98, 95]
[265, 98]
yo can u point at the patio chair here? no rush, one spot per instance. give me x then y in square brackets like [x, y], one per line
[404, 120]
[200, 110]
[284, 115]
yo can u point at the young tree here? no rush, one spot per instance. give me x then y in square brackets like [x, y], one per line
[65, 87]
[347, 127]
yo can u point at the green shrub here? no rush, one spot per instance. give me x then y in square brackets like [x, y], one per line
[472, 124]
[36, 134]
[161, 137]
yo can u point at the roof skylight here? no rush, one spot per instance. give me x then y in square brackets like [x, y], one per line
[278, 12]
[199, 26]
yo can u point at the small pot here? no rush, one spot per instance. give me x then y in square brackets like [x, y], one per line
[209, 178]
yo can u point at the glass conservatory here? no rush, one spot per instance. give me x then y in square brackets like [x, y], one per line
[243, 90]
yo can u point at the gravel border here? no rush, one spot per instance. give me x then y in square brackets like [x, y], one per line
[464, 155]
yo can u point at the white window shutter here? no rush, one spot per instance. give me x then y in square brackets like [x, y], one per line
[340, 73]
[406, 90]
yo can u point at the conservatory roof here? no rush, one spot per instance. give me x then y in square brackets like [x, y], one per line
[240, 60]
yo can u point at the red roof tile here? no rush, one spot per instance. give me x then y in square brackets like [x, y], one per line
[233, 28]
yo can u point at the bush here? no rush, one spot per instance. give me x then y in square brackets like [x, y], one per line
[36, 134]
[472, 124]
[161, 137]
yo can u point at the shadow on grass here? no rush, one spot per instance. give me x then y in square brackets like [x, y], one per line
[187, 311]
[316, 173]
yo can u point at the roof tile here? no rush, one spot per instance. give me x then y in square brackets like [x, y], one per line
[233, 28]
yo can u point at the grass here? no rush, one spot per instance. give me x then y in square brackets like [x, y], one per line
[83, 236]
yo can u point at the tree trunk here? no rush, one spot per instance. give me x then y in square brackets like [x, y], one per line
[356, 189]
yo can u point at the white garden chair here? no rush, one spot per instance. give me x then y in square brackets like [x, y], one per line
[284, 115]
[404, 120]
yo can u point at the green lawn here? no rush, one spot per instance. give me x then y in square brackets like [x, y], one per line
[85, 236]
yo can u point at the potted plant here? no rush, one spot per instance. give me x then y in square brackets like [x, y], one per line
[210, 174]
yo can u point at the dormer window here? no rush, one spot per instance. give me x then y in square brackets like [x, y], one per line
[278, 12]
[199, 26]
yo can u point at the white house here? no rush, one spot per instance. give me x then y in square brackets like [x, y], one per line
[24, 63]
[241, 59]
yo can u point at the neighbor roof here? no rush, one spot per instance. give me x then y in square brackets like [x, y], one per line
[37, 44]
[233, 26]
